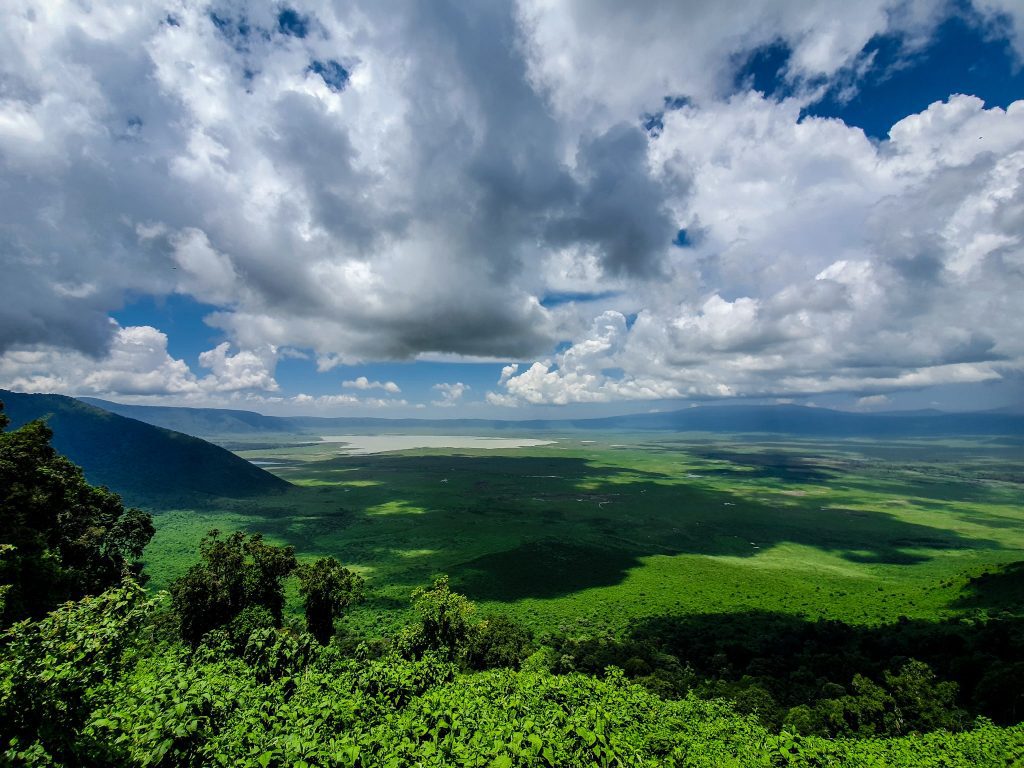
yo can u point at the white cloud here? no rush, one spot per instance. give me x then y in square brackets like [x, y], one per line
[136, 364]
[426, 209]
[361, 382]
[204, 273]
[854, 266]
[451, 393]
[603, 59]
[246, 369]
[507, 372]
[1007, 16]
[330, 401]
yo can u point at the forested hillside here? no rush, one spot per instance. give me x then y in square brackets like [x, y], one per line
[143, 463]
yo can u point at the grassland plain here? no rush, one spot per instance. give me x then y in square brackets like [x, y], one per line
[615, 528]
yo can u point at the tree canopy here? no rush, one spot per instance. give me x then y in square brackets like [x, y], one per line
[237, 579]
[328, 588]
[65, 537]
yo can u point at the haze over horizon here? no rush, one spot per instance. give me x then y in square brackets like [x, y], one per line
[513, 209]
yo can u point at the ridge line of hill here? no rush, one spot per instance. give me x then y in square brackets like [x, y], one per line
[783, 419]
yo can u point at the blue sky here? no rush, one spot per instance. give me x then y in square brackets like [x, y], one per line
[301, 209]
[962, 57]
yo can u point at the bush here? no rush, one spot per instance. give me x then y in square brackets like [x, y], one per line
[498, 641]
[445, 622]
[51, 672]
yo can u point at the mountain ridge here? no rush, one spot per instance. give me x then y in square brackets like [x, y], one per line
[782, 419]
[145, 463]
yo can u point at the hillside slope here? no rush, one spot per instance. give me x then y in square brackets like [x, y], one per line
[144, 463]
[197, 421]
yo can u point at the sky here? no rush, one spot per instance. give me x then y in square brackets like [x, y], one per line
[513, 209]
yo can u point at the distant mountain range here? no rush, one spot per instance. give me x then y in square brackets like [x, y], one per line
[144, 463]
[197, 421]
[783, 419]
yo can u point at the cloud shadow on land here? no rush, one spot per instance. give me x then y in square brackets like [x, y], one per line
[776, 465]
[542, 568]
[506, 528]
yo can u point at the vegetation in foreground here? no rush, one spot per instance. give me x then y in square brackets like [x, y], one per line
[216, 673]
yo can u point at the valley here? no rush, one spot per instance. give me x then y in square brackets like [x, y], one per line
[613, 528]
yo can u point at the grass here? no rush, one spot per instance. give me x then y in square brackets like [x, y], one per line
[634, 526]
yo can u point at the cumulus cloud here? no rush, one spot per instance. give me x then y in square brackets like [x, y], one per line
[331, 401]
[367, 218]
[205, 273]
[451, 393]
[602, 59]
[137, 363]
[620, 212]
[385, 183]
[361, 382]
[247, 369]
[854, 266]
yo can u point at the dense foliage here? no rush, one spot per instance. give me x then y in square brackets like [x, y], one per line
[236, 585]
[66, 538]
[85, 687]
[826, 677]
[54, 669]
[327, 588]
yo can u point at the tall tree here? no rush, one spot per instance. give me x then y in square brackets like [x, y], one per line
[69, 538]
[445, 621]
[328, 589]
[235, 573]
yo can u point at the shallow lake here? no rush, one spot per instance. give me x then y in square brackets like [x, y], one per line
[361, 444]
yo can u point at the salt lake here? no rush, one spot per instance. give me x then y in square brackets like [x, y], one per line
[365, 444]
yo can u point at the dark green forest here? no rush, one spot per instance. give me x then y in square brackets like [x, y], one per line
[95, 670]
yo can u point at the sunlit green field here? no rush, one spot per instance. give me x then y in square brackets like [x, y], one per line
[615, 528]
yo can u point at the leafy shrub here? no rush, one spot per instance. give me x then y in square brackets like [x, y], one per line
[445, 623]
[249, 620]
[498, 641]
[52, 672]
[274, 654]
